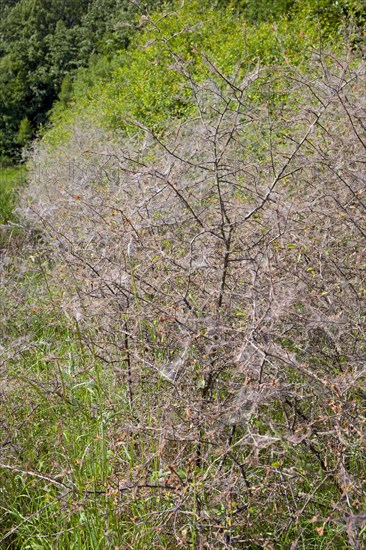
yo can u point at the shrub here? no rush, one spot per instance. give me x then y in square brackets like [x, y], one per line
[214, 278]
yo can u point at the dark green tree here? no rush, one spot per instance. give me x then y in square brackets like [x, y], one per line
[42, 41]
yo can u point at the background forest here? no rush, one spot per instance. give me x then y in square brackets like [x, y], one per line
[182, 274]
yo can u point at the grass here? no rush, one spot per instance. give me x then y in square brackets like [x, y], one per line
[62, 483]
[11, 178]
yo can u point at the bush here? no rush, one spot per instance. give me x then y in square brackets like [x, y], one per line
[209, 391]
[183, 336]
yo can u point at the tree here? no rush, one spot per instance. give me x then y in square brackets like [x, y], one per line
[25, 132]
[42, 41]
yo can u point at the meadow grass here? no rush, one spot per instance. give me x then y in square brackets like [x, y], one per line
[11, 179]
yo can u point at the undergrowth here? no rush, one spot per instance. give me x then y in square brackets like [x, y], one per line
[11, 178]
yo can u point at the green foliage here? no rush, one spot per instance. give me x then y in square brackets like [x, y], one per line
[258, 12]
[25, 132]
[36, 48]
[66, 91]
[41, 42]
[340, 20]
[11, 178]
[153, 82]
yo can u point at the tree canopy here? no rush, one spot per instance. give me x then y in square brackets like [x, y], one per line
[41, 41]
